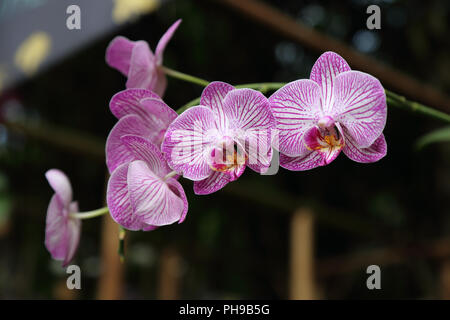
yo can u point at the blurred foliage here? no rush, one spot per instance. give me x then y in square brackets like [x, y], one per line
[232, 247]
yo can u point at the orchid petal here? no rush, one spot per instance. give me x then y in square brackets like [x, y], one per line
[56, 229]
[158, 117]
[61, 185]
[150, 228]
[360, 106]
[324, 72]
[116, 151]
[308, 161]
[250, 117]
[151, 198]
[142, 67]
[365, 155]
[296, 108]
[160, 83]
[118, 54]
[164, 40]
[73, 239]
[216, 181]
[187, 141]
[127, 102]
[118, 200]
[213, 96]
[178, 190]
[144, 150]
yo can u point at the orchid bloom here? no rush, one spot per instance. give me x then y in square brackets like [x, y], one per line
[142, 193]
[336, 109]
[212, 143]
[62, 232]
[137, 62]
[140, 112]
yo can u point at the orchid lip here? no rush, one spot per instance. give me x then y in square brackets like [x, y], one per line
[324, 138]
[228, 157]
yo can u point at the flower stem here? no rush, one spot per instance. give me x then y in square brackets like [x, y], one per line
[90, 214]
[392, 99]
[183, 76]
[398, 101]
[121, 249]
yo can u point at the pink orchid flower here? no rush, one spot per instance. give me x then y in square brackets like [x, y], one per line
[62, 232]
[336, 110]
[140, 112]
[142, 193]
[212, 143]
[138, 63]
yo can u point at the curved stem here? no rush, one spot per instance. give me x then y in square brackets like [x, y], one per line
[183, 76]
[89, 214]
[392, 99]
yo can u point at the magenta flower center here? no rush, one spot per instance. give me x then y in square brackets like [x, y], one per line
[228, 157]
[324, 137]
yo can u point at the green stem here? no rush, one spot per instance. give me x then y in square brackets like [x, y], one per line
[121, 250]
[398, 101]
[90, 214]
[184, 76]
[392, 99]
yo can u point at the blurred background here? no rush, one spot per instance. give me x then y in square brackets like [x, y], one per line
[298, 235]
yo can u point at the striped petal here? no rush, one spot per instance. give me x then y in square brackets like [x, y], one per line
[187, 142]
[56, 229]
[216, 181]
[360, 106]
[365, 155]
[250, 118]
[73, 235]
[213, 96]
[118, 200]
[324, 72]
[118, 54]
[164, 40]
[127, 102]
[178, 190]
[151, 198]
[296, 108]
[308, 161]
[142, 71]
[61, 185]
[158, 117]
[143, 149]
[116, 151]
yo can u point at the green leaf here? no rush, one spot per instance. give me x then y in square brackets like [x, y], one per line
[440, 135]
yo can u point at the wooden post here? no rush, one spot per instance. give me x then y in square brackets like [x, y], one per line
[169, 274]
[110, 283]
[445, 280]
[302, 283]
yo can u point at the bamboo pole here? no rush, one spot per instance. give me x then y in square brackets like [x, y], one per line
[302, 283]
[169, 274]
[445, 280]
[112, 270]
